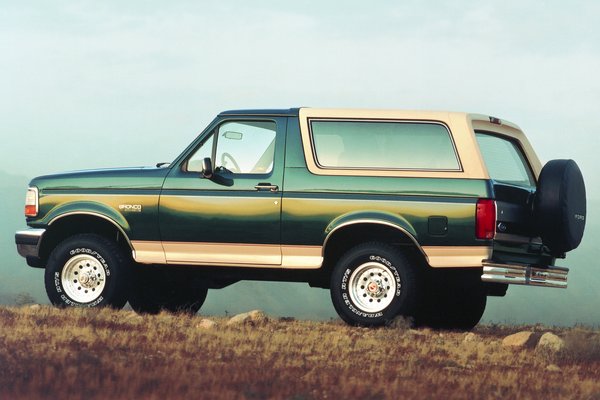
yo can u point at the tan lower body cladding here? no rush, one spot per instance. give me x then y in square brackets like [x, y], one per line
[228, 254]
[275, 256]
[457, 256]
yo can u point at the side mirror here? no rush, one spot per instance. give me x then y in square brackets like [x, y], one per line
[207, 168]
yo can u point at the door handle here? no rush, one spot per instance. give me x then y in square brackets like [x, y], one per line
[266, 186]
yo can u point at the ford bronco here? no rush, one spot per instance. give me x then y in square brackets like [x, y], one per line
[419, 214]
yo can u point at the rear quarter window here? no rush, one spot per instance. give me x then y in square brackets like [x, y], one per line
[383, 145]
[504, 160]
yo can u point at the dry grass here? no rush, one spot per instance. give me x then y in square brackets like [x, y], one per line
[581, 346]
[104, 354]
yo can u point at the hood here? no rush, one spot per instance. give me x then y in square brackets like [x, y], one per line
[114, 178]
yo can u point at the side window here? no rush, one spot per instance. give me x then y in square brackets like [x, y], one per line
[383, 145]
[242, 147]
[504, 160]
[246, 147]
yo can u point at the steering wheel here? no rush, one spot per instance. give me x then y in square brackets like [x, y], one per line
[227, 158]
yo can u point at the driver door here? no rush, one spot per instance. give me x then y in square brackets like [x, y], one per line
[233, 217]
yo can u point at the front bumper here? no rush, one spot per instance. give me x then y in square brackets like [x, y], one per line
[525, 274]
[28, 242]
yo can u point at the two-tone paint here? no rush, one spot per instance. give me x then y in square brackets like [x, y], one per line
[289, 217]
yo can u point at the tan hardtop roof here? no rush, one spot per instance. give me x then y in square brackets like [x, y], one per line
[400, 114]
[462, 125]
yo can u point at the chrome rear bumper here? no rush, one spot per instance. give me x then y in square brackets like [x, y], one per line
[524, 274]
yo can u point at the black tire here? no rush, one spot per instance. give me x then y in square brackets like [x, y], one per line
[87, 270]
[372, 284]
[155, 289]
[560, 206]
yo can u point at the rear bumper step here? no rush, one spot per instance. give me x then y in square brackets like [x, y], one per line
[524, 274]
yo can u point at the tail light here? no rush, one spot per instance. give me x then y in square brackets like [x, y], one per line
[485, 219]
[31, 202]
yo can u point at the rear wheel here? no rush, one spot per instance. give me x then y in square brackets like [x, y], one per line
[87, 270]
[155, 289]
[372, 284]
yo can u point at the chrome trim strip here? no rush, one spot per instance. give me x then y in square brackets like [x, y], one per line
[524, 274]
[382, 120]
[69, 192]
[28, 242]
[375, 221]
[94, 215]
[457, 256]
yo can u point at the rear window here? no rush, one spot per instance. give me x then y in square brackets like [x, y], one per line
[504, 160]
[383, 145]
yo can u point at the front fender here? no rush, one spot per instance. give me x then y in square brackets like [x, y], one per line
[88, 208]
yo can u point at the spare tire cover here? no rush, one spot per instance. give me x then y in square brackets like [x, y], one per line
[560, 206]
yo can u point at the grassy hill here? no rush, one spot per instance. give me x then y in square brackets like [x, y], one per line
[100, 354]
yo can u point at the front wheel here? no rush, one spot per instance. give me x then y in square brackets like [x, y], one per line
[372, 284]
[87, 270]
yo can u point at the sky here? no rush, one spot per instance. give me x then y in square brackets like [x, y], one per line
[88, 84]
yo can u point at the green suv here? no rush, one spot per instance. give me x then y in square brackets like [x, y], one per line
[419, 214]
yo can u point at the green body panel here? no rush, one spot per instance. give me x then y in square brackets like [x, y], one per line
[310, 212]
[204, 215]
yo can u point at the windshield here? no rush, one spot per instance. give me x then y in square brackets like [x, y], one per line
[504, 160]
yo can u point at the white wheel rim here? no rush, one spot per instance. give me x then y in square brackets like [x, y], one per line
[83, 278]
[372, 287]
